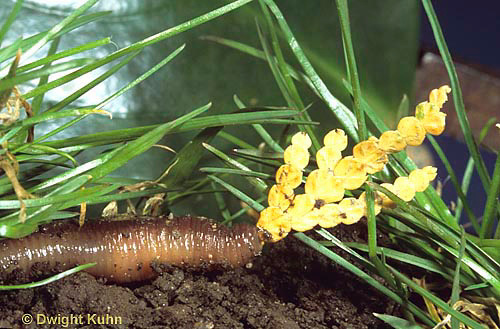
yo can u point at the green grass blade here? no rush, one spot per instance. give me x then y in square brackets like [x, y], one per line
[121, 135]
[238, 172]
[71, 98]
[454, 181]
[28, 42]
[457, 95]
[142, 77]
[221, 203]
[470, 167]
[53, 31]
[239, 194]
[49, 280]
[282, 75]
[260, 129]
[66, 53]
[142, 144]
[11, 49]
[423, 263]
[22, 78]
[36, 105]
[181, 168]
[477, 267]
[363, 276]
[345, 117]
[47, 150]
[396, 322]
[234, 140]
[490, 210]
[437, 301]
[432, 226]
[46, 116]
[345, 28]
[455, 291]
[10, 19]
[257, 182]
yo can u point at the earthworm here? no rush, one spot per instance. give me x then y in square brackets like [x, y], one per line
[124, 250]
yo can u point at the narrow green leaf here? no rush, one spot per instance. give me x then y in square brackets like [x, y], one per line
[345, 28]
[476, 267]
[470, 167]
[238, 172]
[66, 53]
[454, 181]
[50, 150]
[403, 108]
[22, 78]
[221, 203]
[142, 144]
[53, 31]
[490, 210]
[239, 194]
[49, 280]
[363, 276]
[437, 301]
[257, 182]
[10, 19]
[281, 75]
[344, 116]
[457, 95]
[36, 104]
[24, 44]
[181, 168]
[143, 77]
[455, 290]
[396, 322]
[47, 116]
[121, 135]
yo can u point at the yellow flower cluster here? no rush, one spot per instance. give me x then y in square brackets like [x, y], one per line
[323, 202]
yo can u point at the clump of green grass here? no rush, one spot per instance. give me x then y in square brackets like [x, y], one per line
[44, 180]
[427, 233]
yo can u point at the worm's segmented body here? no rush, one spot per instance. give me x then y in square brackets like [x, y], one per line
[124, 250]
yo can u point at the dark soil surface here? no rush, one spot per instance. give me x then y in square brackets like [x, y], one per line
[290, 286]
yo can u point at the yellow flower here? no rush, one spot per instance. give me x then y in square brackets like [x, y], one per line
[434, 123]
[301, 139]
[412, 130]
[371, 155]
[323, 185]
[302, 204]
[329, 215]
[352, 172]
[352, 209]
[327, 157]
[392, 141]
[404, 188]
[431, 172]
[433, 120]
[336, 139]
[439, 96]
[296, 156]
[306, 222]
[420, 179]
[275, 222]
[288, 175]
[280, 196]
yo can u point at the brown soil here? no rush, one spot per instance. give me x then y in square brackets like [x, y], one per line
[289, 286]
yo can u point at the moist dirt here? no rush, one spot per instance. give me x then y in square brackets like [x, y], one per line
[289, 286]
